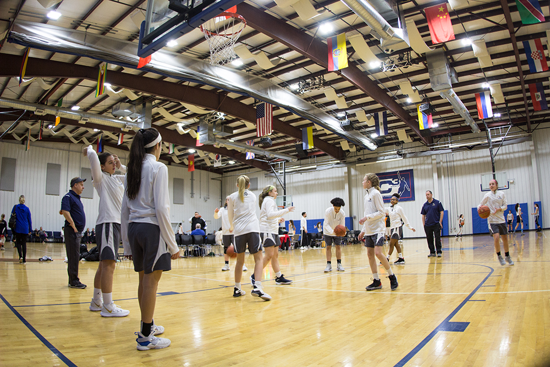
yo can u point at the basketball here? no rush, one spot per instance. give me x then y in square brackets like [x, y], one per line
[231, 251]
[484, 211]
[340, 230]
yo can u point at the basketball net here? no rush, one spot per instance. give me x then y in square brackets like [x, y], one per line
[222, 32]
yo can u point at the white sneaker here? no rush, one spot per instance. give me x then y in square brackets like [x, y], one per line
[244, 267]
[157, 329]
[113, 310]
[328, 268]
[258, 292]
[94, 306]
[509, 260]
[151, 342]
[339, 267]
[226, 267]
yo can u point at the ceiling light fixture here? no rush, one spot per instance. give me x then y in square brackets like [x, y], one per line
[191, 151]
[375, 64]
[485, 85]
[374, 135]
[172, 43]
[497, 114]
[75, 108]
[237, 62]
[409, 100]
[54, 15]
[294, 86]
[466, 42]
[325, 28]
[231, 162]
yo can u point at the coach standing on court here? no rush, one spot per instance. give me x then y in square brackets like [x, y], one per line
[432, 219]
[75, 221]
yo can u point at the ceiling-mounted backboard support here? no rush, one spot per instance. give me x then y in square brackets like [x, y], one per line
[163, 24]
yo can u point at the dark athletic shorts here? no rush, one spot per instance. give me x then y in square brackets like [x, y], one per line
[332, 240]
[251, 239]
[228, 239]
[108, 240]
[149, 251]
[270, 239]
[499, 228]
[374, 240]
[397, 233]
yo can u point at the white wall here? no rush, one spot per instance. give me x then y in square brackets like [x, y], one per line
[456, 182]
[30, 177]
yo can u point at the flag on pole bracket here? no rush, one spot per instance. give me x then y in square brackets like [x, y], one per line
[190, 163]
[264, 119]
[250, 155]
[537, 96]
[171, 148]
[198, 144]
[424, 121]
[484, 108]
[530, 11]
[23, 68]
[100, 89]
[381, 123]
[535, 55]
[100, 144]
[143, 61]
[307, 138]
[57, 118]
[218, 160]
[439, 23]
[337, 52]
[28, 145]
[120, 139]
[41, 129]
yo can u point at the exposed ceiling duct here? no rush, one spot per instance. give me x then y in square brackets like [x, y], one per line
[369, 12]
[442, 76]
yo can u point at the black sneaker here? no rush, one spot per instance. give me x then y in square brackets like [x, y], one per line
[282, 280]
[393, 282]
[400, 261]
[376, 284]
[431, 255]
[238, 292]
[252, 280]
[77, 285]
[439, 254]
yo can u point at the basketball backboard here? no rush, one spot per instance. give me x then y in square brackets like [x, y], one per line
[501, 177]
[167, 20]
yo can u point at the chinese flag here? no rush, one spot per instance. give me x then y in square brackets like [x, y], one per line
[191, 163]
[439, 22]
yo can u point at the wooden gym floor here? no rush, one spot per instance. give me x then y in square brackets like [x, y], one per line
[461, 310]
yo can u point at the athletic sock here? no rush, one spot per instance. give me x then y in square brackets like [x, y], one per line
[258, 284]
[375, 276]
[338, 261]
[400, 255]
[498, 253]
[146, 328]
[97, 295]
[390, 272]
[506, 254]
[238, 285]
[227, 262]
[328, 262]
[107, 298]
[278, 274]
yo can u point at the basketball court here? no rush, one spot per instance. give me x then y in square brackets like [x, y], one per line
[461, 310]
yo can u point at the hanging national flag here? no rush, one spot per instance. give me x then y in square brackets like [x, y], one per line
[537, 96]
[198, 144]
[424, 121]
[171, 148]
[190, 163]
[28, 145]
[337, 52]
[143, 61]
[264, 119]
[530, 11]
[100, 144]
[57, 118]
[218, 160]
[484, 109]
[381, 123]
[100, 89]
[250, 155]
[307, 138]
[120, 139]
[41, 129]
[535, 55]
[439, 23]
[23, 68]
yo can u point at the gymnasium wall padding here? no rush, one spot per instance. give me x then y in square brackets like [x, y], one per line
[480, 225]
[311, 223]
[445, 229]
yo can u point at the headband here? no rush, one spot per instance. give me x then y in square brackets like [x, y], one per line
[154, 142]
[271, 187]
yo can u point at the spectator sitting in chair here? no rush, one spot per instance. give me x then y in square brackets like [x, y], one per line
[198, 231]
[35, 236]
[43, 235]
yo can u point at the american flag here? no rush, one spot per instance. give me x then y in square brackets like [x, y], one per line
[250, 155]
[264, 119]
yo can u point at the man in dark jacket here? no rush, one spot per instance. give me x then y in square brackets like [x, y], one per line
[197, 220]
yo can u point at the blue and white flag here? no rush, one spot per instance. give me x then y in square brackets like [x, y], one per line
[250, 155]
[381, 123]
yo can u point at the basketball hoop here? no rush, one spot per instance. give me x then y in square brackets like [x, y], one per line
[222, 32]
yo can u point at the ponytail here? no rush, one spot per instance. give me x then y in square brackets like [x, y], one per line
[135, 161]
[374, 180]
[242, 183]
[265, 193]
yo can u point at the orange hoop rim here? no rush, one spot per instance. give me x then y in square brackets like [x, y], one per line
[226, 14]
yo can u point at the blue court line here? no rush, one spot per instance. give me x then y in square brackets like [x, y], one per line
[50, 346]
[446, 325]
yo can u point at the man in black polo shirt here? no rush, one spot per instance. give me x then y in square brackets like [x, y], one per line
[75, 221]
[432, 219]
